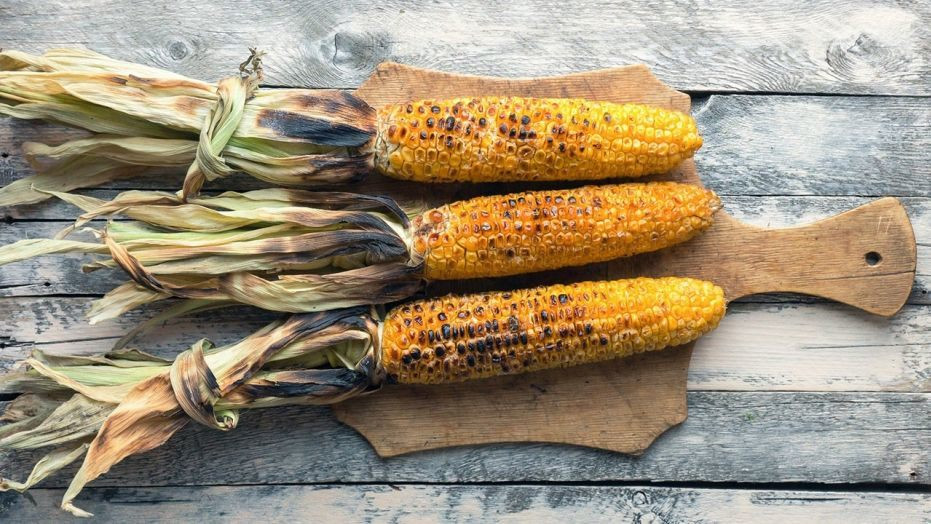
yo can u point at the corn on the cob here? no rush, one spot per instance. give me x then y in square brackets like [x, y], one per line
[294, 137]
[296, 251]
[456, 338]
[489, 139]
[134, 402]
[539, 230]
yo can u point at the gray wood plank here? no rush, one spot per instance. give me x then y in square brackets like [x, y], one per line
[853, 46]
[758, 347]
[754, 145]
[728, 437]
[802, 145]
[520, 503]
[55, 274]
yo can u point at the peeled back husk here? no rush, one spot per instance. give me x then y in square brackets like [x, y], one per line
[147, 117]
[128, 402]
[277, 249]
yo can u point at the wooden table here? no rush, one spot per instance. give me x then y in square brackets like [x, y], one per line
[799, 409]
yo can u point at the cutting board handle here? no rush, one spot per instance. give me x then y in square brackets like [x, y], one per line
[864, 257]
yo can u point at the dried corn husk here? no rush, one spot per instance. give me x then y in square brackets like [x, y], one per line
[128, 402]
[144, 116]
[278, 249]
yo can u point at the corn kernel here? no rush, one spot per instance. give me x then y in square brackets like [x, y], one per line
[558, 228]
[583, 140]
[545, 327]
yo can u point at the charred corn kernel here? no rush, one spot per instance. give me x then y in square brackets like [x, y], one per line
[508, 138]
[538, 230]
[456, 338]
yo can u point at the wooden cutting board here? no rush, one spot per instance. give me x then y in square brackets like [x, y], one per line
[864, 257]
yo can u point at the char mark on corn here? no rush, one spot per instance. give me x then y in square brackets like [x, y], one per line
[494, 139]
[456, 338]
[532, 231]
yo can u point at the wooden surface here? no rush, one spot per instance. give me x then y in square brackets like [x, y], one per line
[781, 46]
[629, 402]
[623, 406]
[803, 411]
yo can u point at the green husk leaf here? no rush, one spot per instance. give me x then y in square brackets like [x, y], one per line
[128, 358]
[76, 418]
[82, 115]
[309, 292]
[123, 298]
[106, 393]
[70, 174]
[209, 384]
[144, 151]
[54, 461]
[35, 247]
[207, 266]
[284, 250]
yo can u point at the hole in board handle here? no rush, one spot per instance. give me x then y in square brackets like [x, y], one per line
[872, 258]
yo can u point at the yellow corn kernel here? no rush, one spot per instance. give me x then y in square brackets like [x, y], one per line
[540, 230]
[512, 138]
[456, 338]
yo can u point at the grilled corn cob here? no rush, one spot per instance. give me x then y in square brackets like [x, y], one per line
[539, 230]
[296, 251]
[134, 402]
[493, 139]
[294, 137]
[457, 338]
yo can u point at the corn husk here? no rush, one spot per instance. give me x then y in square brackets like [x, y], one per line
[277, 249]
[128, 402]
[144, 117]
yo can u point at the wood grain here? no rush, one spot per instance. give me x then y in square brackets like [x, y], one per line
[521, 503]
[864, 257]
[797, 145]
[621, 405]
[835, 46]
[728, 437]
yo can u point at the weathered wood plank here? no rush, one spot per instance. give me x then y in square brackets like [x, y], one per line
[63, 275]
[816, 145]
[55, 274]
[758, 347]
[728, 437]
[426, 503]
[856, 46]
[754, 145]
